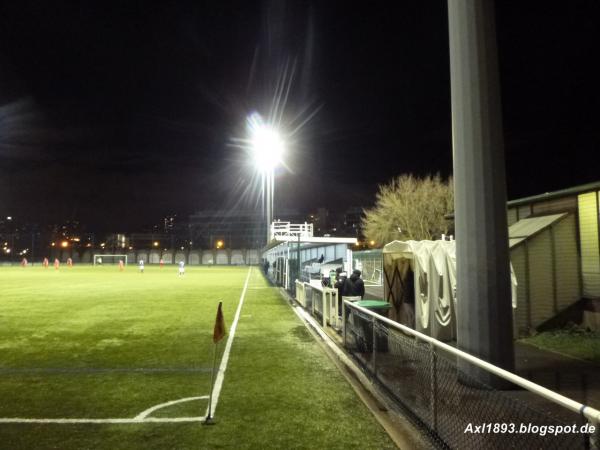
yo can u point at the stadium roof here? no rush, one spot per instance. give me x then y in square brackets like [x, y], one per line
[311, 240]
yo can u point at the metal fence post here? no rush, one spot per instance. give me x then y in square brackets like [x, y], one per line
[344, 322]
[374, 347]
[592, 440]
[434, 387]
[325, 307]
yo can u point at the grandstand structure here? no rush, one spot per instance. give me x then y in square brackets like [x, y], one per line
[294, 253]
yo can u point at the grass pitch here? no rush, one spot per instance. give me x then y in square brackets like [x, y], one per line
[574, 342]
[96, 343]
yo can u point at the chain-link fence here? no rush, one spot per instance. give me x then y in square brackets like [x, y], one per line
[370, 263]
[445, 395]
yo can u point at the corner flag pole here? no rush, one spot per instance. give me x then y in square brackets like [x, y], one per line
[218, 334]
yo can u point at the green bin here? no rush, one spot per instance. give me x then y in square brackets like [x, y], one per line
[382, 308]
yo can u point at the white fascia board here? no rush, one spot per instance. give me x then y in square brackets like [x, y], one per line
[317, 240]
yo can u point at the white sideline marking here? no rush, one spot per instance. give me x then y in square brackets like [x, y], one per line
[225, 358]
[144, 414]
[140, 418]
[117, 421]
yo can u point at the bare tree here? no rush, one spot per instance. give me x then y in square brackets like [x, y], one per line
[409, 207]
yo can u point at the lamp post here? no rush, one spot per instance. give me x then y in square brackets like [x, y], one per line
[267, 148]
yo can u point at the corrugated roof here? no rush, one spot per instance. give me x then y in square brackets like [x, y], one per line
[527, 228]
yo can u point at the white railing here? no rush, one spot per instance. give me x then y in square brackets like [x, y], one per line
[287, 229]
[322, 300]
[591, 414]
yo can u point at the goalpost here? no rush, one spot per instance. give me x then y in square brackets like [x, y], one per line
[101, 259]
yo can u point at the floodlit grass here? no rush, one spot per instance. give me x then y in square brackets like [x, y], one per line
[572, 342]
[97, 343]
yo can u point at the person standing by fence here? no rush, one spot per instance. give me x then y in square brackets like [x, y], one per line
[354, 286]
[340, 285]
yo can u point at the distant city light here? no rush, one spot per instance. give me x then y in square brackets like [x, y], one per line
[102, 245]
[156, 243]
[372, 242]
[64, 244]
[8, 217]
[220, 244]
[52, 244]
[76, 239]
[7, 250]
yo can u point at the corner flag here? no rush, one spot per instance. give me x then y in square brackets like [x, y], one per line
[220, 331]
[218, 334]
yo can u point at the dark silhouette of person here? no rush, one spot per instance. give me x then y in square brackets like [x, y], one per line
[321, 259]
[341, 287]
[354, 286]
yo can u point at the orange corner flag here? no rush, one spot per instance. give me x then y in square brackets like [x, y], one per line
[219, 331]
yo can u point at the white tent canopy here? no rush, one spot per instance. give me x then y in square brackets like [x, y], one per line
[433, 280]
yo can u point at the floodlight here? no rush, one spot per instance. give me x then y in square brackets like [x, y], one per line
[266, 144]
[267, 148]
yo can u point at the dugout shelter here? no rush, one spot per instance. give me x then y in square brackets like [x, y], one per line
[420, 284]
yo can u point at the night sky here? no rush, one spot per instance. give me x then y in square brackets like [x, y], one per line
[116, 114]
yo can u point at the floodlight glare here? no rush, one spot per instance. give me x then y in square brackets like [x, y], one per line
[267, 148]
[266, 144]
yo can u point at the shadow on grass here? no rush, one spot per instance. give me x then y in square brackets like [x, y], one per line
[301, 333]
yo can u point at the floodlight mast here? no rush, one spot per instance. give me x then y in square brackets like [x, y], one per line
[267, 149]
